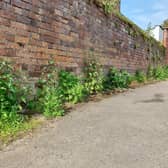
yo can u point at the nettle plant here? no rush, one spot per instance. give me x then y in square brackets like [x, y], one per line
[49, 97]
[117, 79]
[71, 87]
[93, 76]
[57, 87]
[160, 72]
[140, 76]
[13, 95]
[109, 6]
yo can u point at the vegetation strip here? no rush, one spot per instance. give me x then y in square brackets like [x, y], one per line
[56, 88]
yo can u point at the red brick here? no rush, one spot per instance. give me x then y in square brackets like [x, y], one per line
[33, 31]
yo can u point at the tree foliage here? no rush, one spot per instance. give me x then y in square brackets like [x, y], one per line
[165, 23]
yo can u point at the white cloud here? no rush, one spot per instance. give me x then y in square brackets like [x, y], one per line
[160, 5]
[157, 13]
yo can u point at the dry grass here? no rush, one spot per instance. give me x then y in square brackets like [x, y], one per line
[26, 128]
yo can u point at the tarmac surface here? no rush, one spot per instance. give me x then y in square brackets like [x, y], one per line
[129, 130]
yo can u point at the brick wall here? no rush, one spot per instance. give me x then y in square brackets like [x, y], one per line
[165, 41]
[34, 31]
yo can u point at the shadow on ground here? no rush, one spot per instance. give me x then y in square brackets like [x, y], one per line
[158, 98]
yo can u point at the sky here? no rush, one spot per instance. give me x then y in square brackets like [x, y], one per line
[142, 12]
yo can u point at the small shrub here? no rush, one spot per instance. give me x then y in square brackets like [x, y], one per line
[13, 97]
[70, 87]
[166, 71]
[111, 81]
[159, 73]
[117, 79]
[49, 76]
[12, 91]
[49, 98]
[149, 73]
[140, 76]
[126, 79]
[51, 102]
[77, 94]
[93, 76]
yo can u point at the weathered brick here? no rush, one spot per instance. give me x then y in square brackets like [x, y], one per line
[23, 40]
[33, 31]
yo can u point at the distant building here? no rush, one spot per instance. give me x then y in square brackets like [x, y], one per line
[157, 33]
